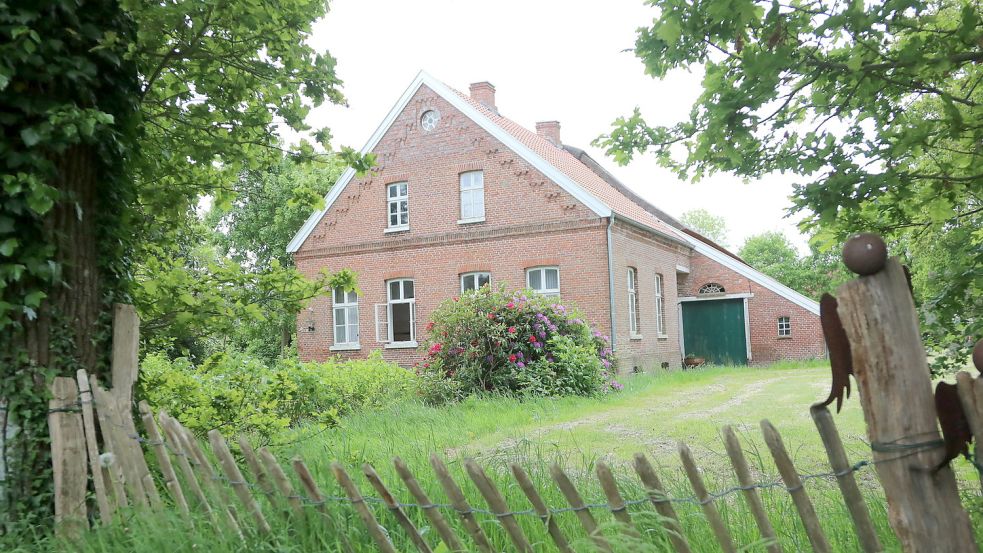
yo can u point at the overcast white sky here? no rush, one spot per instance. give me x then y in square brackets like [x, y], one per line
[549, 60]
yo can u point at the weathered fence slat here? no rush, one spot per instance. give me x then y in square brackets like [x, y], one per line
[280, 479]
[795, 488]
[209, 476]
[112, 468]
[447, 534]
[541, 509]
[460, 504]
[395, 509]
[92, 446]
[889, 363]
[845, 479]
[315, 495]
[166, 468]
[709, 509]
[122, 446]
[381, 538]
[580, 508]
[168, 425]
[739, 462]
[657, 494]
[497, 504]
[617, 504]
[67, 448]
[236, 480]
[259, 474]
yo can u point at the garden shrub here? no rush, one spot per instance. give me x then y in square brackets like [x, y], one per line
[237, 393]
[512, 342]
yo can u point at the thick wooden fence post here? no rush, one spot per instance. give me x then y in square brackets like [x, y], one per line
[92, 446]
[892, 374]
[67, 458]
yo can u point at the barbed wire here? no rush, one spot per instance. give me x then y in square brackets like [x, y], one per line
[652, 497]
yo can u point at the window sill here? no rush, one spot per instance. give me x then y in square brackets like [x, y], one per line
[785, 337]
[396, 229]
[471, 221]
[401, 345]
[345, 347]
[663, 337]
[635, 336]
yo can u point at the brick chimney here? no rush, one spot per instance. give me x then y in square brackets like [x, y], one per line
[484, 93]
[550, 130]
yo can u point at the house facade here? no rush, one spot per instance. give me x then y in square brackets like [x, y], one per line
[462, 197]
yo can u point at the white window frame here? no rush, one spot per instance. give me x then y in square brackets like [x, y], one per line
[542, 271]
[660, 306]
[387, 338]
[633, 302]
[350, 308]
[472, 187]
[476, 275]
[395, 200]
[785, 330]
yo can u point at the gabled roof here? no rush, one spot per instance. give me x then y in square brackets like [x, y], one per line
[573, 170]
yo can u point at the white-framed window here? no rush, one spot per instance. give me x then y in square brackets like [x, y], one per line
[632, 301]
[397, 196]
[545, 280]
[785, 326]
[712, 288]
[472, 196]
[397, 324]
[660, 306]
[473, 281]
[345, 313]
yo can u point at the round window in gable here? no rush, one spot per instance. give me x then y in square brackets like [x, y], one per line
[711, 288]
[430, 119]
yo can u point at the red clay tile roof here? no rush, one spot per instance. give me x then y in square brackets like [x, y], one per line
[573, 168]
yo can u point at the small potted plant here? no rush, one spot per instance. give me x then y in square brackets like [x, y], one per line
[693, 361]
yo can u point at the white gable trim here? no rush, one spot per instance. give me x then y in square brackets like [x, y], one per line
[462, 105]
[756, 276]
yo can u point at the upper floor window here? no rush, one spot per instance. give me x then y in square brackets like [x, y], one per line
[430, 119]
[398, 201]
[545, 280]
[473, 281]
[711, 288]
[660, 306]
[345, 315]
[472, 196]
[784, 326]
[632, 301]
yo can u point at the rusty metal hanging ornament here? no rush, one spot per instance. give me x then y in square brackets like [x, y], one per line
[955, 426]
[840, 359]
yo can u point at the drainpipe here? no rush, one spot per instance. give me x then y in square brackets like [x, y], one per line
[611, 282]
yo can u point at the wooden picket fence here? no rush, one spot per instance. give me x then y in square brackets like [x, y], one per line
[89, 422]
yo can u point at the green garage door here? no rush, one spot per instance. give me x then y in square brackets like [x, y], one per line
[714, 330]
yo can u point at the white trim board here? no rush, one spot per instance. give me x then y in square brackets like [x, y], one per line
[462, 105]
[757, 276]
[709, 297]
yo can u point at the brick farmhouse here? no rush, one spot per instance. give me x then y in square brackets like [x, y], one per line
[462, 196]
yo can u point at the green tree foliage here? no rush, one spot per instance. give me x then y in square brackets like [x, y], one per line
[875, 105]
[702, 221]
[774, 255]
[119, 116]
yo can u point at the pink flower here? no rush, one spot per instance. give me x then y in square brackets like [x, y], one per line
[511, 330]
[430, 325]
[512, 358]
[510, 305]
[491, 316]
[435, 348]
[532, 339]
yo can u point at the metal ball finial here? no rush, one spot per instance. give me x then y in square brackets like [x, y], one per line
[865, 253]
[978, 355]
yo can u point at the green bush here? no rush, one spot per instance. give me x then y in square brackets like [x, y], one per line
[238, 393]
[512, 342]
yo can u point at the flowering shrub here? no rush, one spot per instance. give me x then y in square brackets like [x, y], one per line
[512, 342]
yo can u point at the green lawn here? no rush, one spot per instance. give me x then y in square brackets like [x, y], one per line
[652, 415]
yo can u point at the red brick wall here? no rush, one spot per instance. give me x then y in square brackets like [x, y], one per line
[806, 341]
[638, 249]
[579, 252]
[529, 221]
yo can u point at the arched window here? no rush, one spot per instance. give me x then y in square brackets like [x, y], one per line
[711, 288]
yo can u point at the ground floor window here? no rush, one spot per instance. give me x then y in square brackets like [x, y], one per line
[632, 301]
[660, 306]
[784, 326]
[545, 280]
[473, 281]
[345, 318]
[400, 311]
